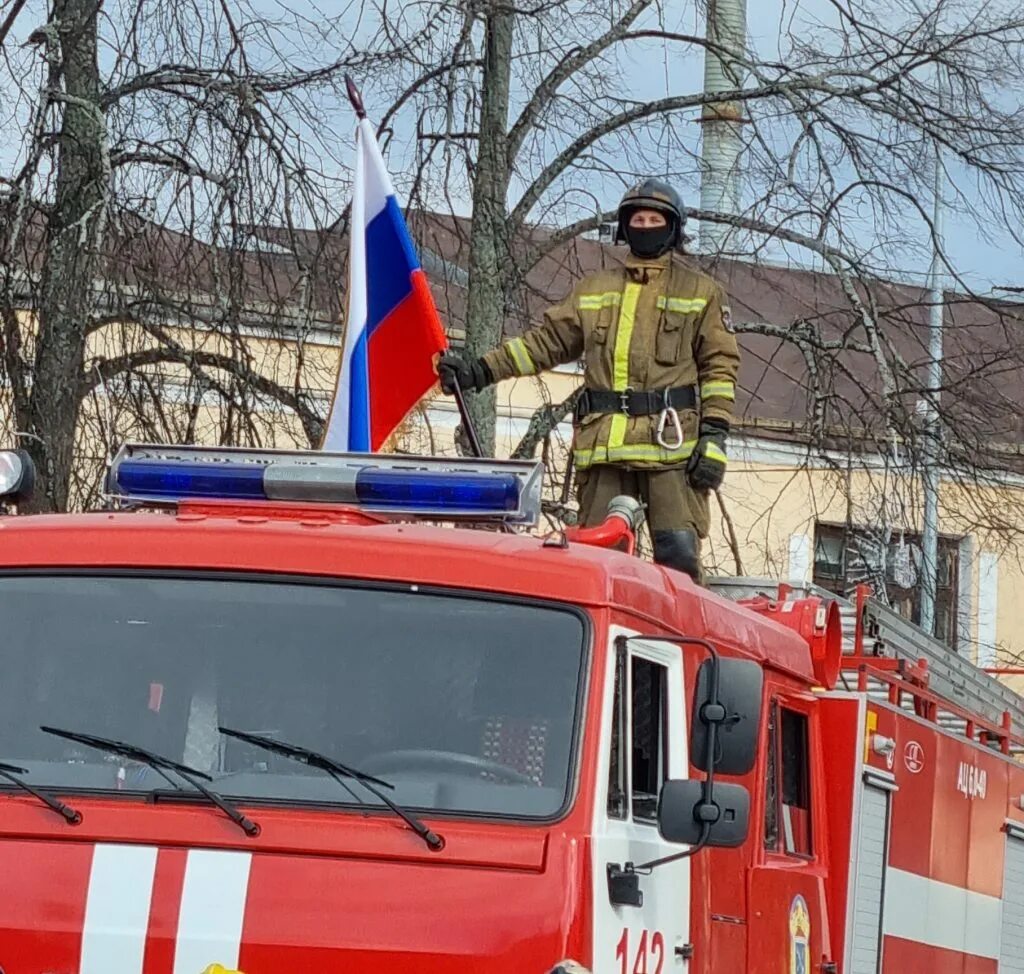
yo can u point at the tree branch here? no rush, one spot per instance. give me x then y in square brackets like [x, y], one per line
[421, 82]
[563, 236]
[103, 370]
[542, 423]
[734, 543]
[12, 16]
[564, 70]
[663, 106]
[171, 76]
[166, 160]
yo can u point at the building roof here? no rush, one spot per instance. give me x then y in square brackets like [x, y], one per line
[293, 275]
[170, 272]
[983, 339]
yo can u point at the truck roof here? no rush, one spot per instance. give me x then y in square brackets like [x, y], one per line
[324, 543]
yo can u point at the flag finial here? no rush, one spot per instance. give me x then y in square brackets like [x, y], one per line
[354, 96]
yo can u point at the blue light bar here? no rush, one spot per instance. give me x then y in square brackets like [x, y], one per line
[488, 493]
[168, 480]
[430, 487]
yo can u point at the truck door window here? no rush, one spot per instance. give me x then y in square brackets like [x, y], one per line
[787, 826]
[650, 736]
[771, 798]
[618, 805]
[795, 792]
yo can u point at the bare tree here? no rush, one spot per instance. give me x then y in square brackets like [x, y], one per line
[539, 114]
[164, 159]
[188, 165]
[532, 112]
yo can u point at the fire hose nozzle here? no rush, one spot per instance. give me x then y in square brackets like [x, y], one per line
[629, 509]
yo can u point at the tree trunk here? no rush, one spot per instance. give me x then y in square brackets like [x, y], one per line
[488, 240]
[74, 233]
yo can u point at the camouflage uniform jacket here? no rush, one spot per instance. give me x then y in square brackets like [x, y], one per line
[653, 324]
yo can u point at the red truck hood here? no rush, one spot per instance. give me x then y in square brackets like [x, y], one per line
[311, 893]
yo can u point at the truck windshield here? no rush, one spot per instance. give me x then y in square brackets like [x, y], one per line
[463, 704]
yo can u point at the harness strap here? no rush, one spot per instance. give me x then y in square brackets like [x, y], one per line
[635, 402]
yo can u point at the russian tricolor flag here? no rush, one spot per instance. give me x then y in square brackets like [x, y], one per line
[393, 331]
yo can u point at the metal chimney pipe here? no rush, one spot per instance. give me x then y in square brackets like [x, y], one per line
[721, 145]
[932, 441]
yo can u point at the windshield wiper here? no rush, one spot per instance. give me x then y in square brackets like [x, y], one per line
[10, 772]
[161, 766]
[339, 772]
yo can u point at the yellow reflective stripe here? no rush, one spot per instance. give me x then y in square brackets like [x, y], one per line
[620, 371]
[632, 452]
[521, 357]
[684, 306]
[623, 337]
[645, 451]
[723, 390]
[595, 302]
[713, 452]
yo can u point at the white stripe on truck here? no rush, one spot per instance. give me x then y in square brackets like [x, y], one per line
[941, 915]
[212, 910]
[117, 909]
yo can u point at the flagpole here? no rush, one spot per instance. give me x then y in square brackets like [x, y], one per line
[467, 421]
[355, 97]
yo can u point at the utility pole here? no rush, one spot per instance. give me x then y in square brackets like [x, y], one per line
[932, 423]
[721, 143]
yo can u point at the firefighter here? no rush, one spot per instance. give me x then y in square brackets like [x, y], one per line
[660, 365]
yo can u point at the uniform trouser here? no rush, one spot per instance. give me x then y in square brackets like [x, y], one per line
[671, 504]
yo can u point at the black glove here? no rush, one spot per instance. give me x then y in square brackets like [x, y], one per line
[453, 369]
[706, 469]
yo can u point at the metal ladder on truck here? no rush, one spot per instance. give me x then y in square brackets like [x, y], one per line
[888, 657]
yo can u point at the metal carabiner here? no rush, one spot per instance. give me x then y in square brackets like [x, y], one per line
[669, 415]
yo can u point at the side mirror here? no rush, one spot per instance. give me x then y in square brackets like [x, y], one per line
[682, 813]
[740, 691]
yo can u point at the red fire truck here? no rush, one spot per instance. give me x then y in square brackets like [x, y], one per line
[270, 714]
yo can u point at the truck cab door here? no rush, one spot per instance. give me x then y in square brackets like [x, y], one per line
[643, 743]
[788, 926]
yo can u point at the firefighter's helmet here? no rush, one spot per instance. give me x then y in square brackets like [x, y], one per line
[652, 194]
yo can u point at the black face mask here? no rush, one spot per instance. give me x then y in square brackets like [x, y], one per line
[650, 243]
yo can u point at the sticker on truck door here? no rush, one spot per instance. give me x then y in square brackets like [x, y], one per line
[799, 937]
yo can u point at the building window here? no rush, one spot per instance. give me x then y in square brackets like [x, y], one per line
[846, 556]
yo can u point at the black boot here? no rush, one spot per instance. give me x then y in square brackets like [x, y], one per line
[679, 550]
